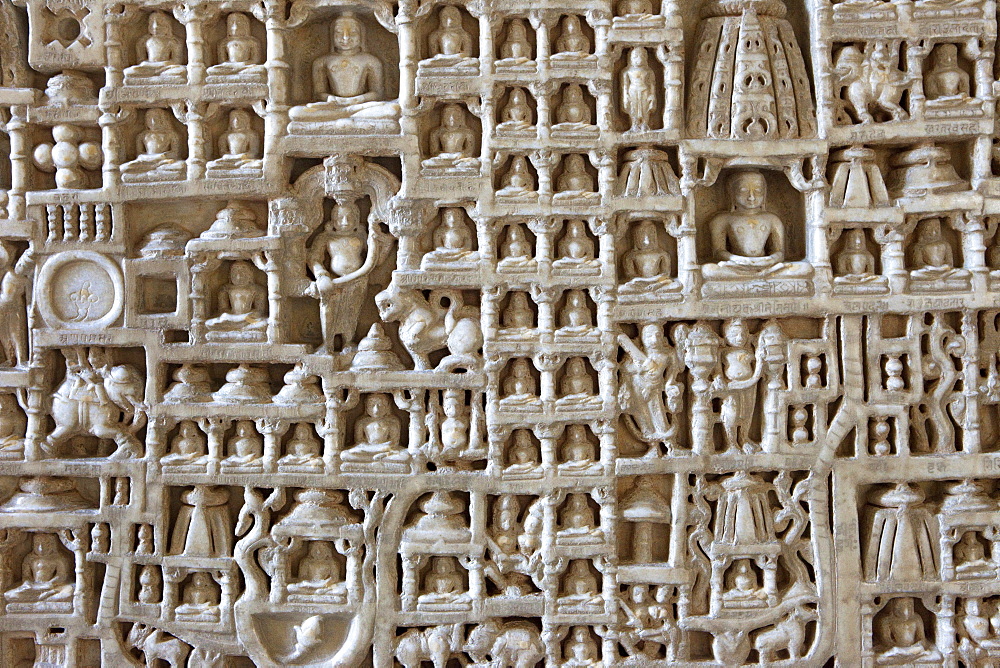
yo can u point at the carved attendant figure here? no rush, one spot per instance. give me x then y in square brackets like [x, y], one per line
[638, 90]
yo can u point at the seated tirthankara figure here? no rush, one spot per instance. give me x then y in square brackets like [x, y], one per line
[646, 265]
[749, 241]
[453, 144]
[45, 579]
[13, 424]
[576, 523]
[239, 149]
[199, 602]
[946, 83]
[854, 265]
[575, 317]
[578, 452]
[516, 48]
[523, 459]
[574, 181]
[579, 587]
[573, 114]
[377, 438]
[572, 43]
[519, 387]
[518, 314]
[242, 308]
[318, 573]
[239, 54]
[516, 252]
[581, 650]
[246, 449]
[303, 450]
[970, 558]
[743, 589]
[444, 586]
[160, 54]
[187, 448]
[516, 116]
[158, 150]
[351, 80]
[577, 387]
[517, 181]
[452, 242]
[450, 45]
[575, 249]
[901, 636]
[636, 10]
[934, 261]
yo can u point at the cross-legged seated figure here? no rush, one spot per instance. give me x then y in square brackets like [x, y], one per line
[239, 54]
[160, 55]
[748, 242]
[242, 306]
[45, 576]
[351, 82]
[199, 601]
[318, 574]
[377, 435]
[239, 149]
[158, 151]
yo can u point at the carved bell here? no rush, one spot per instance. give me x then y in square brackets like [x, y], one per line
[903, 537]
[857, 181]
[744, 515]
[923, 170]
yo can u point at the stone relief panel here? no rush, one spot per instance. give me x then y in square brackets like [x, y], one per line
[446, 333]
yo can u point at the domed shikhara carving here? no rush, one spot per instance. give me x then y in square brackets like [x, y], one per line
[631, 333]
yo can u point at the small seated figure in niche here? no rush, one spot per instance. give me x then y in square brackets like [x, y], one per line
[234, 221]
[579, 454]
[646, 265]
[855, 264]
[239, 53]
[970, 558]
[377, 435]
[13, 425]
[443, 585]
[518, 314]
[302, 451]
[199, 600]
[242, 307]
[933, 257]
[516, 115]
[523, 457]
[573, 112]
[576, 249]
[516, 46]
[574, 180]
[239, 149]
[516, 251]
[575, 317]
[246, 448]
[638, 86]
[946, 83]
[452, 241]
[973, 628]
[453, 144]
[581, 651]
[158, 149]
[635, 9]
[743, 589]
[456, 426]
[192, 384]
[519, 387]
[45, 577]
[450, 45]
[572, 43]
[187, 448]
[577, 386]
[579, 586]
[576, 522]
[318, 572]
[150, 584]
[749, 241]
[350, 83]
[160, 55]
[518, 180]
[901, 634]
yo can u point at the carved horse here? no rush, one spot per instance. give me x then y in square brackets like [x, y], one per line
[508, 645]
[154, 647]
[107, 406]
[871, 79]
[428, 325]
[435, 643]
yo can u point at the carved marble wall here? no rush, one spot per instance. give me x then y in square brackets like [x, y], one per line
[510, 334]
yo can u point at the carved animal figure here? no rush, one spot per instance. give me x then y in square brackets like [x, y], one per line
[435, 644]
[506, 645]
[156, 646]
[98, 403]
[871, 79]
[427, 325]
[789, 633]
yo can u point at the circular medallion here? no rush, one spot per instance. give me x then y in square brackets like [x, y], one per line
[80, 290]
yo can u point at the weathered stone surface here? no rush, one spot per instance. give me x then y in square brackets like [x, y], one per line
[505, 334]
